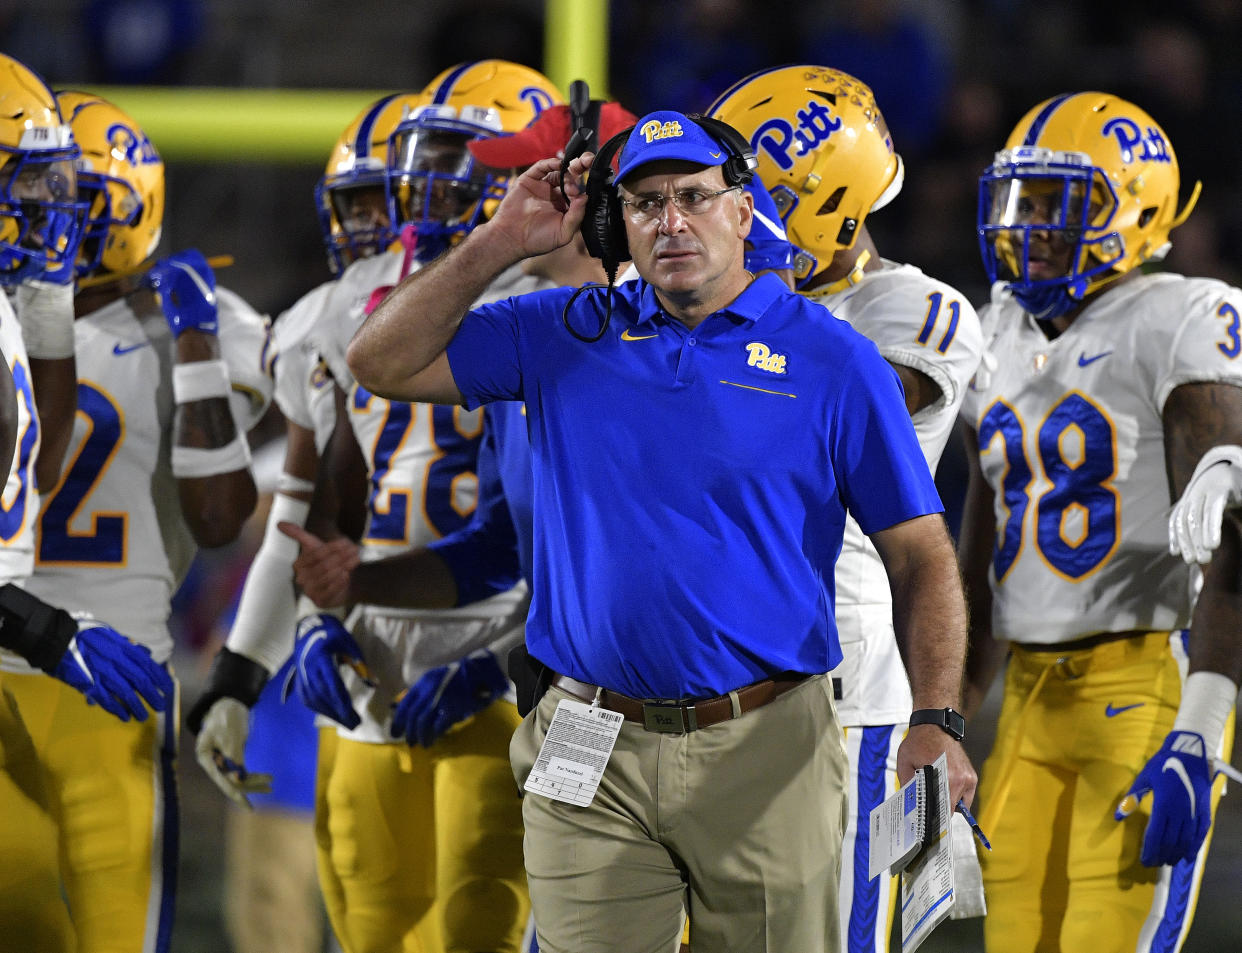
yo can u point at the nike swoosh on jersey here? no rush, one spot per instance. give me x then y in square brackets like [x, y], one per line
[1111, 712]
[1172, 764]
[118, 348]
[1084, 361]
[626, 335]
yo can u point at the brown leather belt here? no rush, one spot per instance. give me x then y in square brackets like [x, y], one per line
[677, 718]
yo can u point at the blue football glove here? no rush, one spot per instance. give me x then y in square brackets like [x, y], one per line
[323, 643]
[767, 246]
[114, 673]
[1180, 781]
[186, 288]
[447, 695]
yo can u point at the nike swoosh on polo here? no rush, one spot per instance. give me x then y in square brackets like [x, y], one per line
[1084, 361]
[1174, 765]
[1111, 712]
[627, 335]
[118, 348]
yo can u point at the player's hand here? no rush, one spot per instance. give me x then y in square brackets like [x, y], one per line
[323, 643]
[1194, 524]
[445, 696]
[221, 747]
[322, 568]
[1180, 781]
[186, 288]
[114, 673]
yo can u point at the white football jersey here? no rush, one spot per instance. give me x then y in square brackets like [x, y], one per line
[303, 384]
[111, 538]
[19, 503]
[924, 324]
[1071, 442]
[346, 308]
[422, 485]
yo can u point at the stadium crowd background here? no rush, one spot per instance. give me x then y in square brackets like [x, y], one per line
[952, 77]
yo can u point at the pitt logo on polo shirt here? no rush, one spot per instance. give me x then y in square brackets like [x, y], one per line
[655, 129]
[760, 355]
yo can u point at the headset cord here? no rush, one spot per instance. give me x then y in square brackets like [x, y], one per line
[611, 270]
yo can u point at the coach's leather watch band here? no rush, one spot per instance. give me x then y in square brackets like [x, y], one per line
[948, 719]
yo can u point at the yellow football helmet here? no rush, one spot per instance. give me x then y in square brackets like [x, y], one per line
[40, 213]
[1088, 179]
[351, 195]
[121, 180]
[825, 154]
[434, 182]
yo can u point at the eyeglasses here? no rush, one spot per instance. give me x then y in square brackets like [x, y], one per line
[650, 206]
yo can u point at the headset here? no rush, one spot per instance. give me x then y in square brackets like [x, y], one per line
[603, 225]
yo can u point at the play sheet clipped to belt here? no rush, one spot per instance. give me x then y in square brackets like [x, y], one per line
[574, 752]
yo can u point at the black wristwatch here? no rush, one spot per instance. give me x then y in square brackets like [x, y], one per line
[947, 718]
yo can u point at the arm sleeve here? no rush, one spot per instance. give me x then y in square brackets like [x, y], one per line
[483, 555]
[263, 629]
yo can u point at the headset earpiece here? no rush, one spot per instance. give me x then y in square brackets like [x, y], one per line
[603, 227]
[740, 167]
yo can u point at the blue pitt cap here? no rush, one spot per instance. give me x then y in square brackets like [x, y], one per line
[666, 134]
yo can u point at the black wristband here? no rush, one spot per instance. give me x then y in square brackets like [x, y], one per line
[948, 720]
[37, 632]
[232, 675]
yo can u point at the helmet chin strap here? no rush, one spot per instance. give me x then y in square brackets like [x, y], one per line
[1047, 303]
[854, 277]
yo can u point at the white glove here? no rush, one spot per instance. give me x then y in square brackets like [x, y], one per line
[1194, 524]
[221, 749]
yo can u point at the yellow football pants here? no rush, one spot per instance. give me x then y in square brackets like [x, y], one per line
[112, 792]
[1063, 875]
[420, 850]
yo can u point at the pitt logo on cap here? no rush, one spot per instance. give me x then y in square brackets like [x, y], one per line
[655, 129]
[760, 355]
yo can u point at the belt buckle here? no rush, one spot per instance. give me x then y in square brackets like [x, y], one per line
[666, 718]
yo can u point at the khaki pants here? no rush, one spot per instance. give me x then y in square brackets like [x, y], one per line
[271, 888]
[739, 824]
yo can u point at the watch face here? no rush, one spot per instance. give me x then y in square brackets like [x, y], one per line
[954, 723]
[948, 719]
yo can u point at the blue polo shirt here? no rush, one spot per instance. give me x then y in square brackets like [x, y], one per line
[690, 487]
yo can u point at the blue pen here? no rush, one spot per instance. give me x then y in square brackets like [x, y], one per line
[974, 825]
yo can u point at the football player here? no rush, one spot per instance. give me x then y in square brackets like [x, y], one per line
[40, 229]
[420, 845]
[351, 201]
[827, 160]
[1102, 389]
[171, 375]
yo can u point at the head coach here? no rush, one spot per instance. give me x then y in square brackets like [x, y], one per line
[693, 464]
